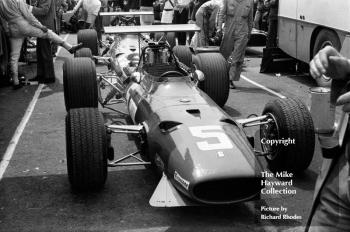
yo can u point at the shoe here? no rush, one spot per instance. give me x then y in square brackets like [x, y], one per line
[74, 48]
[17, 85]
[22, 79]
[232, 85]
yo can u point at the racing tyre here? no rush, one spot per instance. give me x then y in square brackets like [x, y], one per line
[84, 52]
[89, 39]
[216, 83]
[184, 54]
[292, 128]
[324, 38]
[87, 150]
[80, 83]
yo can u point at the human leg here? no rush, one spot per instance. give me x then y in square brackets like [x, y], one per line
[200, 24]
[272, 34]
[237, 55]
[146, 19]
[227, 45]
[58, 40]
[181, 18]
[39, 67]
[16, 45]
[257, 19]
[45, 66]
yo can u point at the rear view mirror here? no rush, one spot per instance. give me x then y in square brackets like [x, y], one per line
[136, 77]
[198, 75]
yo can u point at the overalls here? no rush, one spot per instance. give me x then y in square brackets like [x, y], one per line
[238, 26]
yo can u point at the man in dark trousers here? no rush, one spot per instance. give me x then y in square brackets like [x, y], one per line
[273, 20]
[45, 12]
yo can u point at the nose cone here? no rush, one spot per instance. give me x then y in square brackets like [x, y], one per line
[217, 162]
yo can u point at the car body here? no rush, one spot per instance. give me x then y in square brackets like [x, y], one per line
[202, 154]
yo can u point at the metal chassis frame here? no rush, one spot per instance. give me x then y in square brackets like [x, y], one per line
[127, 129]
[138, 129]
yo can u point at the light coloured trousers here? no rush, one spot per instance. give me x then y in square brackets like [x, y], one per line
[146, 19]
[16, 45]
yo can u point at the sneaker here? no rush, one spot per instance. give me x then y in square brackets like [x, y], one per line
[74, 48]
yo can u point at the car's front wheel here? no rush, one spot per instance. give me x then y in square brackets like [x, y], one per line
[289, 137]
[87, 149]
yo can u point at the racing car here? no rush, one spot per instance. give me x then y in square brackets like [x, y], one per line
[174, 98]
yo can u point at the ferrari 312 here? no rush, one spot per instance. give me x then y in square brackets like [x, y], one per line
[174, 97]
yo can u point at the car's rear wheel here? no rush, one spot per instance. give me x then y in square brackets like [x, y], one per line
[292, 130]
[89, 39]
[84, 52]
[184, 54]
[80, 83]
[87, 150]
[215, 69]
[325, 38]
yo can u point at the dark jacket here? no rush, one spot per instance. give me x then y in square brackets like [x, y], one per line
[45, 12]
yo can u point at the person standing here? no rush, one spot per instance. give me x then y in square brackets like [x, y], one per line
[146, 5]
[261, 10]
[21, 23]
[206, 20]
[273, 23]
[181, 16]
[91, 8]
[238, 18]
[331, 206]
[45, 12]
[61, 7]
[196, 5]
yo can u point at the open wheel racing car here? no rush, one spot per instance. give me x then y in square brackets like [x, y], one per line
[174, 97]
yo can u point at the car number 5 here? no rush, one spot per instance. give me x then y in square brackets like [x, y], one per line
[206, 132]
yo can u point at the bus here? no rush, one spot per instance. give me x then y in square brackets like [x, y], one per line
[307, 26]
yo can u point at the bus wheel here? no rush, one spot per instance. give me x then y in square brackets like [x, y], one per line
[325, 38]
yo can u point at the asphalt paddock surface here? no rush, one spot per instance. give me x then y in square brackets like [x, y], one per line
[35, 194]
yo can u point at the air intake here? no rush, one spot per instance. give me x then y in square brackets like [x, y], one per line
[227, 190]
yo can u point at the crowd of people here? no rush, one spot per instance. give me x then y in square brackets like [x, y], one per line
[44, 20]
[231, 21]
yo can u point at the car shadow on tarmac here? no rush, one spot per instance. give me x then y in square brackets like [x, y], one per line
[46, 203]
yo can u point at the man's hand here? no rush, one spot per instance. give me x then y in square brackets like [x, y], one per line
[329, 62]
[44, 29]
[344, 100]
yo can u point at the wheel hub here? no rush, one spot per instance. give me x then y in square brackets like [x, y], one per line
[269, 131]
